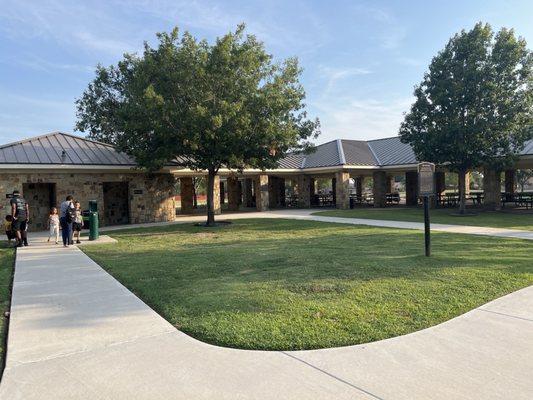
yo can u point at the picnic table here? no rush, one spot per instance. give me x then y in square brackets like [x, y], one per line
[521, 199]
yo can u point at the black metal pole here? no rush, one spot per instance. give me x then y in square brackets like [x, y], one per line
[426, 226]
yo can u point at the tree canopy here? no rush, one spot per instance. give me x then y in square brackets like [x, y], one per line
[209, 106]
[473, 107]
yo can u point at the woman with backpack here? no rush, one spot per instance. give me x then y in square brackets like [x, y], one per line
[66, 217]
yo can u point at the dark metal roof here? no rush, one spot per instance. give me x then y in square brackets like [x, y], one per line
[292, 161]
[48, 149]
[358, 152]
[380, 152]
[326, 155]
[62, 148]
[391, 151]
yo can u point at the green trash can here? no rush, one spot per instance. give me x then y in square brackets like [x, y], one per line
[93, 220]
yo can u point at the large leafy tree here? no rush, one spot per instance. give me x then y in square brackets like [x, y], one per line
[473, 107]
[208, 106]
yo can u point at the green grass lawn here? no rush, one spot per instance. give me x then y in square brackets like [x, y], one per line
[7, 257]
[501, 219]
[285, 284]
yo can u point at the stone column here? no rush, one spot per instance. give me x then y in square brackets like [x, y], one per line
[247, 195]
[510, 180]
[222, 192]
[303, 185]
[187, 195]
[233, 193]
[380, 188]
[342, 190]
[492, 189]
[216, 195]
[411, 188]
[467, 183]
[359, 181]
[261, 192]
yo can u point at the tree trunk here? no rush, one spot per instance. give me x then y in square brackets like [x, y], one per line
[462, 192]
[194, 193]
[210, 198]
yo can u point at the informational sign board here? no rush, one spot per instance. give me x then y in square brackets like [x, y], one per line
[426, 179]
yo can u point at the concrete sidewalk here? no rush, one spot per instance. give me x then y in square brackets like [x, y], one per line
[306, 214]
[77, 333]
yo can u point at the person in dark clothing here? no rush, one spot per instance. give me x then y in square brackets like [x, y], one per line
[65, 220]
[21, 216]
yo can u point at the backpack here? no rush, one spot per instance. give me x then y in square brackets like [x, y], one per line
[70, 215]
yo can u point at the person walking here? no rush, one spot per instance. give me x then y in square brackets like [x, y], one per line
[21, 216]
[65, 219]
[53, 224]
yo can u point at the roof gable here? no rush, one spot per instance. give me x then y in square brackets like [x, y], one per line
[63, 149]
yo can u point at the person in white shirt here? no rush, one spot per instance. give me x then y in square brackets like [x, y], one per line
[53, 224]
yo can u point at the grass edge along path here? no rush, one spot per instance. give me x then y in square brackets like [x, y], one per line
[7, 269]
[521, 220]
[283, 284]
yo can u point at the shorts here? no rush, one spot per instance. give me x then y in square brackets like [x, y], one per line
[10, 235]
[77, 226]
[19, 225]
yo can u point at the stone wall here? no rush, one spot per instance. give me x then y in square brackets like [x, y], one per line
[303, 183]
[261, 192]
[380, 188]
[492, 189]
[342, 190]
[151, 196]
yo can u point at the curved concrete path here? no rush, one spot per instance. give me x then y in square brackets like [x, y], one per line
[77, 333]
[306, 214]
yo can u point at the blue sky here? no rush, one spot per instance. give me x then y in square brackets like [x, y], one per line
[361, 59]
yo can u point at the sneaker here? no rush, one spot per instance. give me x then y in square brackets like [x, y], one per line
[78, 242]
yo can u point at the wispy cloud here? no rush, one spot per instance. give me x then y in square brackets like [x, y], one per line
[79, 25]
[360, 118]
[334, 75]
[41, 114]
[34, 62]
[392, 32]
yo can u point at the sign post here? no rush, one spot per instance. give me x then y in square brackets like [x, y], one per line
[426, 185]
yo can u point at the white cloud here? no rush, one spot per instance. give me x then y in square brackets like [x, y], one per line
[41, 115]
[333, 75]
[352, 118]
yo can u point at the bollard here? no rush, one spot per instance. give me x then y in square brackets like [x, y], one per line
[93, 225]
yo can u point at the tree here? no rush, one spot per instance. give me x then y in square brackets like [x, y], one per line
[205, 106]
[473, 106]
[523, 176]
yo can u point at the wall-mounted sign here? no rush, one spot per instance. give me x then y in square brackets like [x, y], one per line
[137, 191]
[426, 179]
